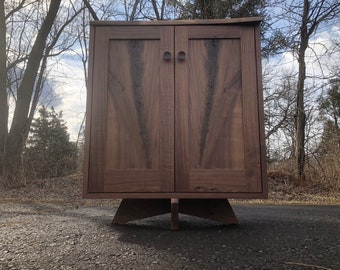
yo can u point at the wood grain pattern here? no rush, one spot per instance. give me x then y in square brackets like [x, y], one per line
[132, 181]
[133, 110]
[181, 115]
[218, 180]
[211, 64]
[137, 63]
[251, 119]
[132, 124]
[98, 113]
[214, 32]
[215, 108]
[167, 110]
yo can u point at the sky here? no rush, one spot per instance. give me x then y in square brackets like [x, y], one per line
[316, 67]
[71, 90]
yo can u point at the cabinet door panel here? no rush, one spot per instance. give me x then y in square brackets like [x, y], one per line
[133, 129]
[217, 133]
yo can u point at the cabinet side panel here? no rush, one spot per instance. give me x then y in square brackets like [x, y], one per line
[264, 182]
[98, 100]
[251, 109]
[88, 114]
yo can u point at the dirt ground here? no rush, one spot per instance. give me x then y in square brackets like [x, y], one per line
[68, 190]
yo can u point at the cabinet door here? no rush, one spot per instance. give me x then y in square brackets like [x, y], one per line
[217, 122]
[132, 124]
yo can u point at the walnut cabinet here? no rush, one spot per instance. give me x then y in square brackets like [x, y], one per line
[175, 110]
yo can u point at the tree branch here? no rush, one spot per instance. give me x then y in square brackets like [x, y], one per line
[91, 10]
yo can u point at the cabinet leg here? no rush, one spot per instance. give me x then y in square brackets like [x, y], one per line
[174, 215]
[218, 210]
[214, 209]
[134, 209]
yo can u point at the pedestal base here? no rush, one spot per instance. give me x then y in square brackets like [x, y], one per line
[214, 209]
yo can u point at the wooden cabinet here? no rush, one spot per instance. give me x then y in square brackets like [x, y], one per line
[175, 110]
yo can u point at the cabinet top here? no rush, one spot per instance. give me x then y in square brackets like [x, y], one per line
[247, 20]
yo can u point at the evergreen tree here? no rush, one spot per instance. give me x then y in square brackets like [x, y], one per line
[49, 151]
[328, 153]
[220, 9]
[330, 114]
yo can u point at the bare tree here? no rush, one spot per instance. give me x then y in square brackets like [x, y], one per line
[3, 89]
[91, 10]
[300, 21]
[313, 14]
[23, 67]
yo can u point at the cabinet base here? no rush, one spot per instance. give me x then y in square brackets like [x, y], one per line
[214, 209]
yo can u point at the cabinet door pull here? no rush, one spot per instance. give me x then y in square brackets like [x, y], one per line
[181, 56]
[167, 56]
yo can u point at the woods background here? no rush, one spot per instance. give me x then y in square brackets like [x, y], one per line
[301, 53]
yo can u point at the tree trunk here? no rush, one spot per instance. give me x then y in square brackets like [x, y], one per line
[206, 8]
[20, 124]
[3, 91]
[300, 122]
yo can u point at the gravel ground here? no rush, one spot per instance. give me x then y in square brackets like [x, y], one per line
[55, 229]
[60, 236]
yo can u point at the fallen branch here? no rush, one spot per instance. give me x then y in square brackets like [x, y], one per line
[308, 265]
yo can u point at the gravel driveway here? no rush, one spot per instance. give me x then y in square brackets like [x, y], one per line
[49, 235]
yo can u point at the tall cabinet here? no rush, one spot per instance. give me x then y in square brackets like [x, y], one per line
[175, 110]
